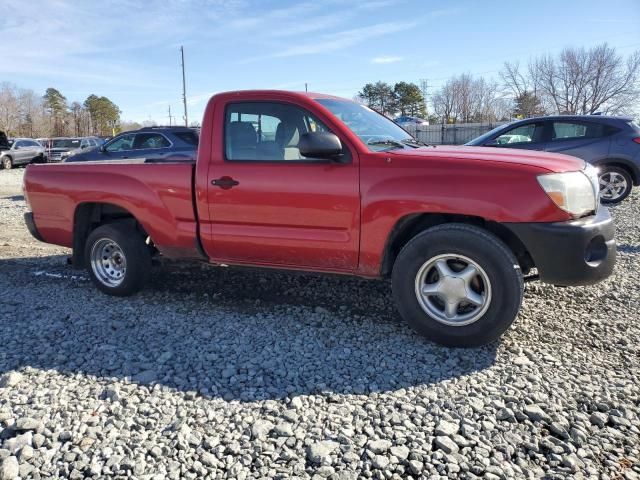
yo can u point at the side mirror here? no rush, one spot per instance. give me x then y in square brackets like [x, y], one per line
[102, 149]
[320, 145]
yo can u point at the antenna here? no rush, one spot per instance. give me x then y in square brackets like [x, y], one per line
[305, 87]
[184, 89]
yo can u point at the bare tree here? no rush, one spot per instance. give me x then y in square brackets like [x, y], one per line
[9, 108]
[445, 102]
[514, 80]
[579, 81]
[467, 99]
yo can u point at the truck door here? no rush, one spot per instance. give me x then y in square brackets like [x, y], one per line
[271, 206]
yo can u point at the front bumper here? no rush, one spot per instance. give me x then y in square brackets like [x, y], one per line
[577, 252]
[31, 226]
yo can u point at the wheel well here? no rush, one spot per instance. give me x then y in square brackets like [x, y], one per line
[89, 216]
[635, 174]
[411, 225]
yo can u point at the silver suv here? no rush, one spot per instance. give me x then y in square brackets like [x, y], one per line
[20, 151]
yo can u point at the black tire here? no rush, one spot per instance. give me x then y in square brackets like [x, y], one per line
[38, 159]
[137, 258]
[488, 252]
[612, 169]
[7, 162]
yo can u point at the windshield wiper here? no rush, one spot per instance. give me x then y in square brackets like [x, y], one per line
[389, 142]
[414, 143]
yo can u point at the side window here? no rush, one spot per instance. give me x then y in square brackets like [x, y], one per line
[522, 134]
[19, 144]
[267, 131]
[145, 141]
[188, 137]
[125, 142]
[572, 130]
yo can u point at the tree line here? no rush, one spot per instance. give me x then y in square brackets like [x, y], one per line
[577, 81]
[23, 113]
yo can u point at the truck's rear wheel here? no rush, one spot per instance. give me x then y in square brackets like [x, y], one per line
[117, 258]
[458, 285]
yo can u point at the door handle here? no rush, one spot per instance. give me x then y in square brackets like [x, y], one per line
[225, 182]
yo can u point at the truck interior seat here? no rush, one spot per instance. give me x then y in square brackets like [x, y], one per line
[242, 141]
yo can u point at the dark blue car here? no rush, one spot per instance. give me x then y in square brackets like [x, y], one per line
[151, 144]
[610, 143]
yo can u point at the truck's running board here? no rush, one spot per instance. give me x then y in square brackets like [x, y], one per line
[531, 278]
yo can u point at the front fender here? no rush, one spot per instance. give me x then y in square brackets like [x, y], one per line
[486, 192]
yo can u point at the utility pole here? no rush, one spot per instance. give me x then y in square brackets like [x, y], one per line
[184, 89]
[170, 116]
[424, 85]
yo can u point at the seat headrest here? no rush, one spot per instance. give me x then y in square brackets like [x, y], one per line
[242, 133]
[287, 135]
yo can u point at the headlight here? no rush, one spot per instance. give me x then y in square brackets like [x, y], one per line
[574, 192]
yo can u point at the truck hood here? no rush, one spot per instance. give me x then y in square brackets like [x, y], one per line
[552, 162]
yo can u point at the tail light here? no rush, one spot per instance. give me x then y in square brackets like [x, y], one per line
[637, 139]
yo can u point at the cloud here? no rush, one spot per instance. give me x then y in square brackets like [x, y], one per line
[343, 39]
[92, 43]
[386, 59]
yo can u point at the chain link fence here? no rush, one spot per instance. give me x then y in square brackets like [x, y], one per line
[451, 134]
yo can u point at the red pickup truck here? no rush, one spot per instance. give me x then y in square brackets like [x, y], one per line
[318, 183]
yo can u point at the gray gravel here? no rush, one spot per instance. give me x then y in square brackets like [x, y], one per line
[218, 373]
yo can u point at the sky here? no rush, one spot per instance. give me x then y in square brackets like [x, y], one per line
[129, 50]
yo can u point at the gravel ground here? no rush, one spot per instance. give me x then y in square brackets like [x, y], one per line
[218, 373]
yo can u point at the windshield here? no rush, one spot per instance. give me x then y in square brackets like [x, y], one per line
[65, 143]
[377, 131]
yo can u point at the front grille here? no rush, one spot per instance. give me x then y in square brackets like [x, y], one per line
[55, 156]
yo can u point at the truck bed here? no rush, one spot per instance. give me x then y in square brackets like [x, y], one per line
[158, 194]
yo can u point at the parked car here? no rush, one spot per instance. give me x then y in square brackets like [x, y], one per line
[86, 143]
[318, 183]
[60, 148]
[20, 151]
[151, 143]
[610, 143]
[411, 122]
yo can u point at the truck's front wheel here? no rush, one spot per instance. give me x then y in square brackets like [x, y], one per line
[118, 260]
[458, 285]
